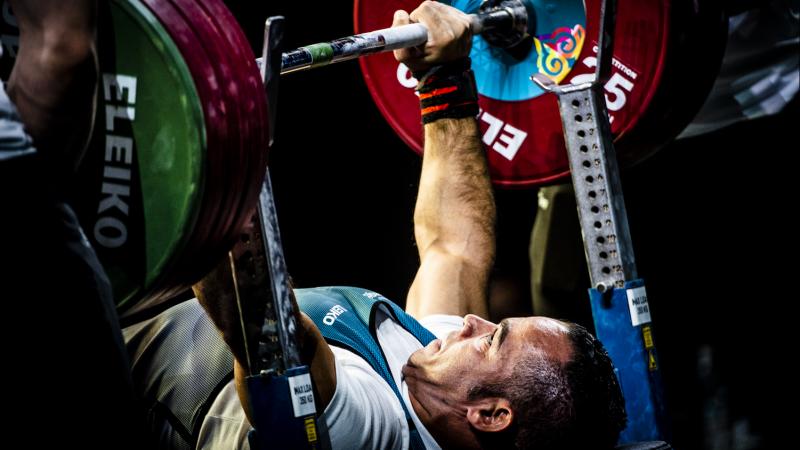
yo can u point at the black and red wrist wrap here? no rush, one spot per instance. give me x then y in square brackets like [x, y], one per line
[447, 91]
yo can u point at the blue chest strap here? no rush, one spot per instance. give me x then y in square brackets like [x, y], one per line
[346, 318]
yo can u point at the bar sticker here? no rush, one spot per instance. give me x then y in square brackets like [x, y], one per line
[302, 395]
[637, 304]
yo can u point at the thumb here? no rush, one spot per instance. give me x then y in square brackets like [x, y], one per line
[400, 18]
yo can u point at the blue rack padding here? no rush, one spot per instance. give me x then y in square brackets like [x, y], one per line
[276, 426]
[632, 349]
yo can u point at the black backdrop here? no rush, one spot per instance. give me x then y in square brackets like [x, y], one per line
[344, 183]
[711, 218]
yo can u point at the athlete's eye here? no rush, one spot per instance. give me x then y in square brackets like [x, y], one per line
[487, 342]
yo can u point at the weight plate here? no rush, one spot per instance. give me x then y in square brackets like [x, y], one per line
[248, 100]
[252, 101]
[220, 70]
[140, 184]
[178, 152]
[229, 153]
[522, 128]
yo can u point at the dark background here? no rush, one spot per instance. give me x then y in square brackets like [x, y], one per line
[711, 219]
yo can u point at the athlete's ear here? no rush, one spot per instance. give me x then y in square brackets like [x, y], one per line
[490, 414]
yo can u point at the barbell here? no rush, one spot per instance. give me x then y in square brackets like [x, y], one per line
[163, 196]
[504, 23]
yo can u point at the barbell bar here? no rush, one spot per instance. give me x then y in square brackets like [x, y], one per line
[508, 20]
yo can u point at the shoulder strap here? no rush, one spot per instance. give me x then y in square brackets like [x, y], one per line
[346, 317]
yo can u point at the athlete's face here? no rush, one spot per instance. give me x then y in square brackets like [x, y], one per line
[482, 351]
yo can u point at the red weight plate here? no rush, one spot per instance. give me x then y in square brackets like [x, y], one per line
[698, 36]
[231, 153]
[524, 139]
[253, 99]
[214, 109]
[219, 133]
[252, 103]
[237, 164]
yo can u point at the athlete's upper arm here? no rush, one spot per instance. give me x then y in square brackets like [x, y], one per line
[447, 284]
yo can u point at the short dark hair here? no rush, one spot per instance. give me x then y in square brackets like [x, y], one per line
[577, 405]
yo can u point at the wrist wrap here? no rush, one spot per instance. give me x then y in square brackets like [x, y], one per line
[447, 91]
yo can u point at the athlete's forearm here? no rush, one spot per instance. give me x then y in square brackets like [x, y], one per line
[455, 208]
[453, 223]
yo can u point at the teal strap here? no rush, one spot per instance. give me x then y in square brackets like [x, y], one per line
[346, 318]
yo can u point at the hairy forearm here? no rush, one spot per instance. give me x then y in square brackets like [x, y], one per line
[54, 79]
[217, 295]
[453, 223]
[455, 209]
